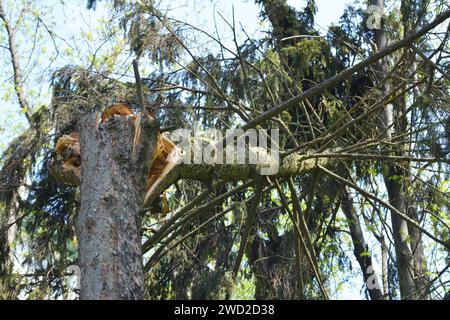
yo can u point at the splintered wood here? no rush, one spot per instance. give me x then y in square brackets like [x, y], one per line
[68, 150]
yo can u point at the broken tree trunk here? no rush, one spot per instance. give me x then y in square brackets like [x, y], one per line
[112, 189]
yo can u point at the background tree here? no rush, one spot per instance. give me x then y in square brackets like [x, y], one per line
[363, 116]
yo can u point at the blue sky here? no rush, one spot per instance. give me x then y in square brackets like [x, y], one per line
[69, 24]
[74, 19]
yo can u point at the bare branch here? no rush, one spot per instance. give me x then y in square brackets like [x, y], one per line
[346, 73]
[385, 204]
[18, 79]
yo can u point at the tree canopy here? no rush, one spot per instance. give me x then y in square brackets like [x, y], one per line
[360, 204]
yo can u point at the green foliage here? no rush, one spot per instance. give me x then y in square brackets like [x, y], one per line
[238, 84]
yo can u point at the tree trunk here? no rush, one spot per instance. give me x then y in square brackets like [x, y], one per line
[360, 247]
[394, 180]
[8, 232]
[412, 14]
[112, 191]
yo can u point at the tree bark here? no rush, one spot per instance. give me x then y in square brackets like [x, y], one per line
[394, 179]
[411, 16]
[360, 247]
[289, 166]
[112, 190]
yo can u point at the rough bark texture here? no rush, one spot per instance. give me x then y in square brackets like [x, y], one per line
[112, 190]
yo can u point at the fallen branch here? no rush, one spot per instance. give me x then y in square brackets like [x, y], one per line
[296, 100]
